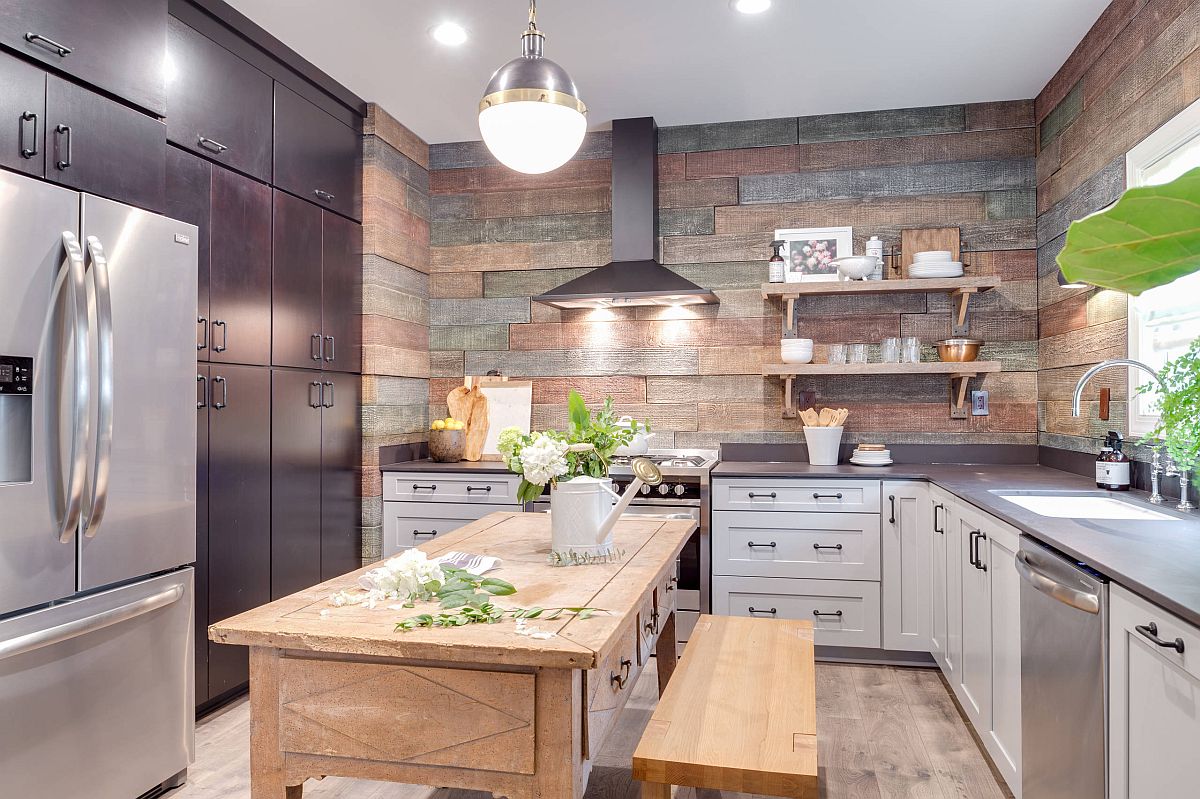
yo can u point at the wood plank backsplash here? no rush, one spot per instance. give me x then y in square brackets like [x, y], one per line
[499, 238]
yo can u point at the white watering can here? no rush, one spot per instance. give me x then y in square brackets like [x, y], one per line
[582, 514]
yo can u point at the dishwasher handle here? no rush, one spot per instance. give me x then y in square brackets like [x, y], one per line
[1080, 600]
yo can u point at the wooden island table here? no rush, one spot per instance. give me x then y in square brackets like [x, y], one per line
[336, 690]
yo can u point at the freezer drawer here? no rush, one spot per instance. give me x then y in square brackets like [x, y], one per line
[96, 693]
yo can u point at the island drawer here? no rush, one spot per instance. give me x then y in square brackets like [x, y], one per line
[483, 489]
[610, 684]
[847, 496]
[814, 545]
[410, 524]
[843, 612]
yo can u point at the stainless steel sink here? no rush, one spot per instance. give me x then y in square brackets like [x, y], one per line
[1082, 505]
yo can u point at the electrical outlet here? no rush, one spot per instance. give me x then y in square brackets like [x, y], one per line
[979, 403]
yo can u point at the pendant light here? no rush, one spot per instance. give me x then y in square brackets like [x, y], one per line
[531, 117]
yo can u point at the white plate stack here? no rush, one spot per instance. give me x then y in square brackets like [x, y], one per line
[934, 263]
[871, 455]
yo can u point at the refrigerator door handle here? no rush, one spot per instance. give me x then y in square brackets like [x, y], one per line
[73, 629]
[104, 407]
[73, 271]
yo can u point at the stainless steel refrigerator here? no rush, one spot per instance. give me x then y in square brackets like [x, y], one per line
[97, 494]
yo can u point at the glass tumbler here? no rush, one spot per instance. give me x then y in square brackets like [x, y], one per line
[889, 350]
[837, 353]
[911, 350]
[857, 353]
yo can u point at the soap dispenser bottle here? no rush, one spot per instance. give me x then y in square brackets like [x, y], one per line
[776, 268]
[1112, 466]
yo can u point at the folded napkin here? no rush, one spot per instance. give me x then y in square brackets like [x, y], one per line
[475, 564]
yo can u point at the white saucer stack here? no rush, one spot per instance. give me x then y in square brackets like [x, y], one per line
[934, 263]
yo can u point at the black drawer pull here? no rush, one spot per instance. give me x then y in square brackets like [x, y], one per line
[652, 625]
[26, 152]
[487, 489]
[771, 545]
[212, 145]
[618, 680]
[838, 495]
[1150, 631]
[819, 547]
[323, 195]
[752, 495]
[971, 549]
[63, 130]
[837, 614]
[48, 43]
[424, 533]
[770, 612]
[936, 508]
[424, 488]
[892, 499]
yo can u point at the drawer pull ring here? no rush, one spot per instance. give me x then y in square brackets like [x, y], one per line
[838, 495]
[426, 534]
[424, 488]
[752, 495]
[487, 489]
[1150, 631]
[753, 545]
[819, 547]
[770, 612]
[618, 680]
[837, 614]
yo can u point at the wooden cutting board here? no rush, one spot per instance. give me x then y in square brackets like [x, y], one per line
[924, 239]
[470, 406]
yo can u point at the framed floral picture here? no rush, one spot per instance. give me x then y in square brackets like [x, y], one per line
[810, 252]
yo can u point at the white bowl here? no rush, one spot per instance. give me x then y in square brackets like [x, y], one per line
[933, 255]
[856, 267]
[796, 356]
[796, 342]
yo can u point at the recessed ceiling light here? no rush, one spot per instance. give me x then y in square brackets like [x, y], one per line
[751, 6]
[449, 33]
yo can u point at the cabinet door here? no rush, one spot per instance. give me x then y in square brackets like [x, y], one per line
[102, 147]
[1154, 701]
[975, 675]
[907, 567]
[189, 199]
[410, 524]
[217, 104]
[938, 621]
[22, 116]
[201, 632]
[956, 562]
[341, 450]
[240, 280]
[295, 480]
[239, 508]
[316, 156]
[118, 45]
[296, 285]
[1000, 552]
[341, 293]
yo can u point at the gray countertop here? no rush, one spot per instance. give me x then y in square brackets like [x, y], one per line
[1158, 559]
[426, 465]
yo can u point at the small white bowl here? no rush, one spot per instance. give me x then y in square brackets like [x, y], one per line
[856, 267]
[796, 357]
[796, 342]
[933, 255]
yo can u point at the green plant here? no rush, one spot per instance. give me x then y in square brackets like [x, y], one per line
[487, 613]
[1179, 409]
[1148, 238]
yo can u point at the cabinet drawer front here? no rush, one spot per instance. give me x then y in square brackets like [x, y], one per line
[852, 496]
[816, 545]
[490, 489]
[819, 601]
[410, 524]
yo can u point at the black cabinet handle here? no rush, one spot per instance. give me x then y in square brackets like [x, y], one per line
[837, 614]
[937, 529]
[424, 533]
[330, 402]
[203, 343]
[63, 131]
[838, 495]
[424, 488]
[758, 611]
[212, 145]
[314, 394]
[224, 403]
[203, 383]
[1150, 631]
[48, 43]
[752, 495]
[977, 559]
[618, 680]
[753, 545]
[323, 195]
[332, 354]
[819, 547]
[315, 346]
[224, 345]
[26, 152]
[486, 489]
[971, 549]
[892, 499]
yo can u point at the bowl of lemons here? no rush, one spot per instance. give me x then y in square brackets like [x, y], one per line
[447, 440]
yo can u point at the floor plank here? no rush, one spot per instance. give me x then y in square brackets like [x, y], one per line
[883, 733]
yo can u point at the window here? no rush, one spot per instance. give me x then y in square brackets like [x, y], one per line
[1164, 321]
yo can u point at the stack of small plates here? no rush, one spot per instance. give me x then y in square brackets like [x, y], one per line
[934, 263]
[871, 455]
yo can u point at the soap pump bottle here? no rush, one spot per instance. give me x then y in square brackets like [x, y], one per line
[1112, 466]
[776, 271]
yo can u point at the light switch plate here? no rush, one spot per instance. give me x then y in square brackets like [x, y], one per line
[979, 403]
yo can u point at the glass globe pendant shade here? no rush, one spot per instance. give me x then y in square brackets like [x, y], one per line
[531, 117]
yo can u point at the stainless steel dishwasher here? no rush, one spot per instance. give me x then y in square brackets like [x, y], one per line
[1064, 678]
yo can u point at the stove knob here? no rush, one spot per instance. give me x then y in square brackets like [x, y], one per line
[664, 489]
[680, 489]
[645, 489]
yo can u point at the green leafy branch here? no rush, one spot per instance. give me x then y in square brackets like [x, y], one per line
[487, 613]
[1179, 409]
[461, 588]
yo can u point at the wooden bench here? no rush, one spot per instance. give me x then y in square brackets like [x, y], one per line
[739, 713]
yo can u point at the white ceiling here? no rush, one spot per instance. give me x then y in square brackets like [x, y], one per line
[687, 61]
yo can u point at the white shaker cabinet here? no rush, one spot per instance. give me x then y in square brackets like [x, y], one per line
[421, 505]
[1002, 737]
[908, 566]
[1154, 701]
[940, 505]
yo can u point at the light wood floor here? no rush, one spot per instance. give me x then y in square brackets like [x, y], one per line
[883, 732]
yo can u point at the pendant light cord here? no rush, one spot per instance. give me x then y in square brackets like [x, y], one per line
[533, 15]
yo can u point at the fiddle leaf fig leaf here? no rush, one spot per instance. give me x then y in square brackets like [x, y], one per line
[1148, 238]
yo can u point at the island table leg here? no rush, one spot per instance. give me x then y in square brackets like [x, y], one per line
[266, 757]
[665, 652]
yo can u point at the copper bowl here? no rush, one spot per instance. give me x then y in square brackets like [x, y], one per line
[447, 446]
[959, 350]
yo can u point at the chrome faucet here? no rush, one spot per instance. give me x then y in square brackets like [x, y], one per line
[1156, 471]
[1076, 400]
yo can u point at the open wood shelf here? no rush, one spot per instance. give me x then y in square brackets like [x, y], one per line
[938, 284]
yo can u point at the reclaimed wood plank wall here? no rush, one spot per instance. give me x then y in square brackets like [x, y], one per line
[498, 238]
[1137, 67]
[395, 303]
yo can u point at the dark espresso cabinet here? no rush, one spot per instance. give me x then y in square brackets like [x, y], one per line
[341, 293]
[119, 46]
[102, 147]
[316, 156]
[341, 453]
[217, 104]
[22, 116]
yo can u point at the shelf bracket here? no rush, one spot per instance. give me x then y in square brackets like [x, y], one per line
[790, 411]
[958, 394]
[789, 316]
[961, 299]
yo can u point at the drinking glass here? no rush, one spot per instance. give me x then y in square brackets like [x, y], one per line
[837, 353]
[889, 350]
[857, 353]
[911, 350]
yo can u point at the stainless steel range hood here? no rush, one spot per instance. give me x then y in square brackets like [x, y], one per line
[635, 277]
